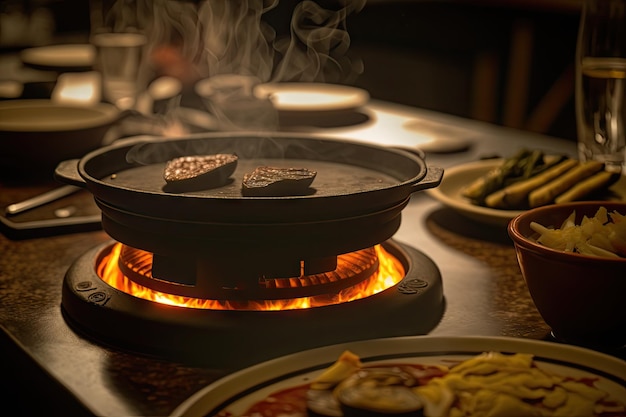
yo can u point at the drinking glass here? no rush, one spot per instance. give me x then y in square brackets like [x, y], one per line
[118, 32]
[601, 83]
[119, 60]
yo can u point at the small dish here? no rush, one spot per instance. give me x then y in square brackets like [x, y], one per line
[312, 97]
[451, 187]
[444, 139]
[238, 391]
[70, 57]
[458, 177]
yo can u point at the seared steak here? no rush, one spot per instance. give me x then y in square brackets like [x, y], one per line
[197, 172]
[272, 181]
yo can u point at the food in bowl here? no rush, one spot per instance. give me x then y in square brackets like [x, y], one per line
[581, 297]
[531, 178]
[510, 383]
[604, 234]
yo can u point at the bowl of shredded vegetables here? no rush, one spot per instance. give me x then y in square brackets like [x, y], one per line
[573, 259]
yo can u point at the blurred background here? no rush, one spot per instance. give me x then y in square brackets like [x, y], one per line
[505, 62]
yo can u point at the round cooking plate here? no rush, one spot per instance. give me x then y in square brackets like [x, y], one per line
[353, 178]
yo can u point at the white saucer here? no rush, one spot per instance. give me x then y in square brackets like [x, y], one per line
[60, 57]
[312, 97]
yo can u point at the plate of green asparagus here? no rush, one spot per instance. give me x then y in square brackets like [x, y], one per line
[494, 191]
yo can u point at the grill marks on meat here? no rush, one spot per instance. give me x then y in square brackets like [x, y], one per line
[276, 182]
[197, 172]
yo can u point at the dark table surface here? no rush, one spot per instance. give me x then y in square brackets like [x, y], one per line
[55, 371]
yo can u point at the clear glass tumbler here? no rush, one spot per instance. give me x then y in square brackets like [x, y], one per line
[118, 33]
[601, 83]
[119, 60]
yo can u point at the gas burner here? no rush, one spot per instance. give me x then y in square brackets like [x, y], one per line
[232, 337]
[203, 278]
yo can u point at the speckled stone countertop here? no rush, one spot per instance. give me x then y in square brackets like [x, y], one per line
[59, 371]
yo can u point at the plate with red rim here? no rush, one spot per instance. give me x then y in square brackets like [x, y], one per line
[235, 393]
[456, 178]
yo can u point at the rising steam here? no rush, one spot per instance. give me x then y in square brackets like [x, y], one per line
[198, 39]
[318, 45]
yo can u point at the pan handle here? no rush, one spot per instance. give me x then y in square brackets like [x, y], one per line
[432, 179]
[67, 172]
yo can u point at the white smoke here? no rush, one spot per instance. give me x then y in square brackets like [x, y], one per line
[199, 39]
[318, 46]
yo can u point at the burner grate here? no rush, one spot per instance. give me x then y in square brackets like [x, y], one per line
[341, 272]
[233, 338]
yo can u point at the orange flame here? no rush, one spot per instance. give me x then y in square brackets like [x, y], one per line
[390, 272]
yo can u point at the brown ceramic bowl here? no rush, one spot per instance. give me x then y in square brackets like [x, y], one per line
[35, 135]
[582, 298]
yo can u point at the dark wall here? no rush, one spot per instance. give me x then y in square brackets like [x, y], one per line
[432, 54]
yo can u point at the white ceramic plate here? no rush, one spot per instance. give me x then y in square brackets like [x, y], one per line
[458, 177]
[240, 390]
[60, 57]
[312, 97]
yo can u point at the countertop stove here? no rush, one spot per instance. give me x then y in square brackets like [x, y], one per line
[53, 369]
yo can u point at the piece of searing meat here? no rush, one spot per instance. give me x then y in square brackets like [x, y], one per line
[273, 181]
[197, 172]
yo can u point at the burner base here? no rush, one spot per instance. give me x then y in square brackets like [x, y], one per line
[228, 339]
